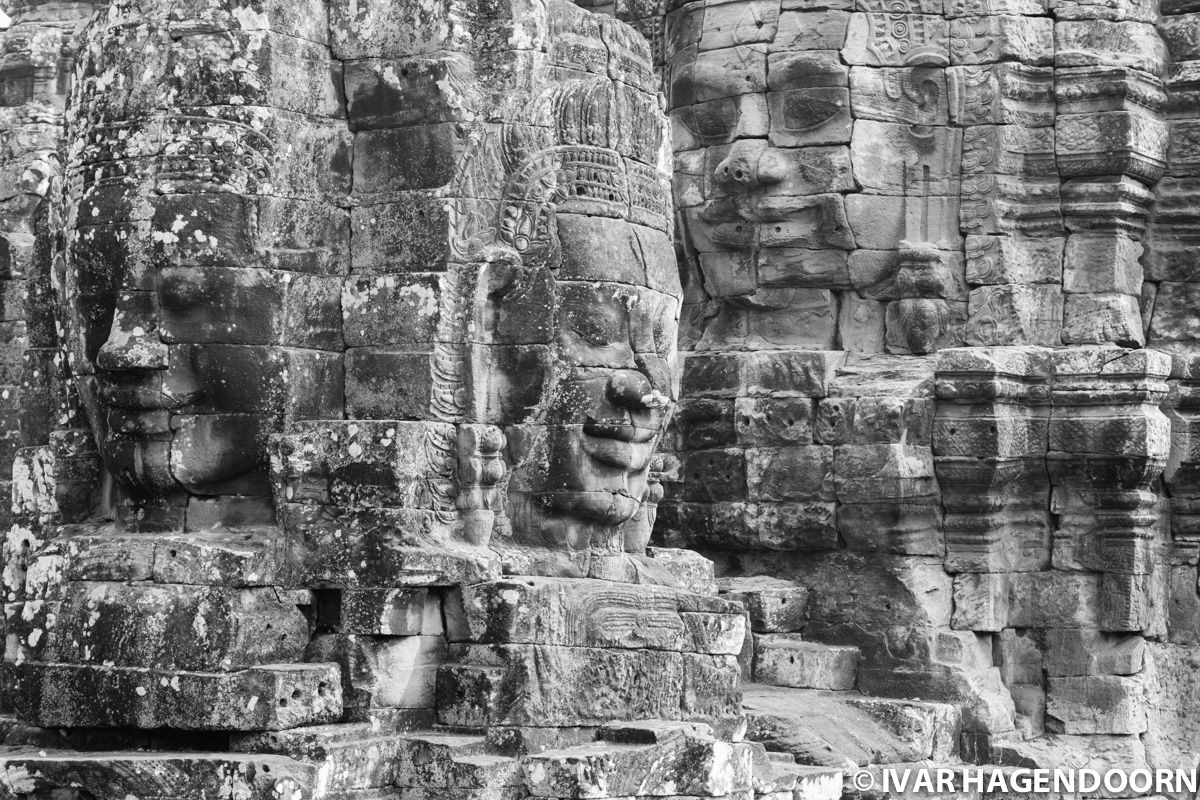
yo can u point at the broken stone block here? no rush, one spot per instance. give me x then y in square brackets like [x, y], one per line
[786, 660]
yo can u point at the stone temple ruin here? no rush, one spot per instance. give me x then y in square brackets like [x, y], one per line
[507, 399]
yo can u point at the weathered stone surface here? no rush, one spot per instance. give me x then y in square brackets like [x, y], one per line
[1097, 704]
[774, 605]
[541, 684]
[183, 775]
[594, 614]
[787, 660]
[829, 728]
[259, 698]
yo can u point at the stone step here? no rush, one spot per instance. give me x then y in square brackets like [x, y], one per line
[154, 776]
[823, 728]
[784, 659]
[267, 697]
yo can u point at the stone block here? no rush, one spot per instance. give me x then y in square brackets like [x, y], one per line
[724, 26]
[680, 759]
[793, 111]
[1173, 318]
[260, 698]
[802, 267]
[716, 74]
[900, 160]
[878, 223]
[773, 605]
[1102, 318]
[981, 602]
[1014, 314]
[705, 424]
[1111, 143]
[386, 612]
[769, 526]
[569, 612]
[870, 43]
[714, 475]
[1019, 654]
[789, 474]
[1096, 263]
[879, 471]
[1009, 150]
[787, 660]
[1104, 704]
[1000, 37]
[810, 30]
[1008, 93]
[146, 774]
[1112, 10]
[691, 571]
[191, 628]
[1183, 614]
[911, 527]
[533, 685]
[773, 422]
[789, 69]
[990, 431]
[886, 94]
[1074, 652]
[1053, 599]
[861, 324]
[1100, 43]
[382, 671]
[874, 420]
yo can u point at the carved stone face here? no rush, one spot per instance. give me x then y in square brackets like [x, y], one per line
[614, 348]
[797, 215]
[609, 312]
[188, 350]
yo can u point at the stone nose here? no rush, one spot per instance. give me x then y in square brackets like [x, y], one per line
[630, 389]
[133, 341]
[751, 163]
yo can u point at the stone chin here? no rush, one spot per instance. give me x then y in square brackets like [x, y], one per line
[208, 454]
